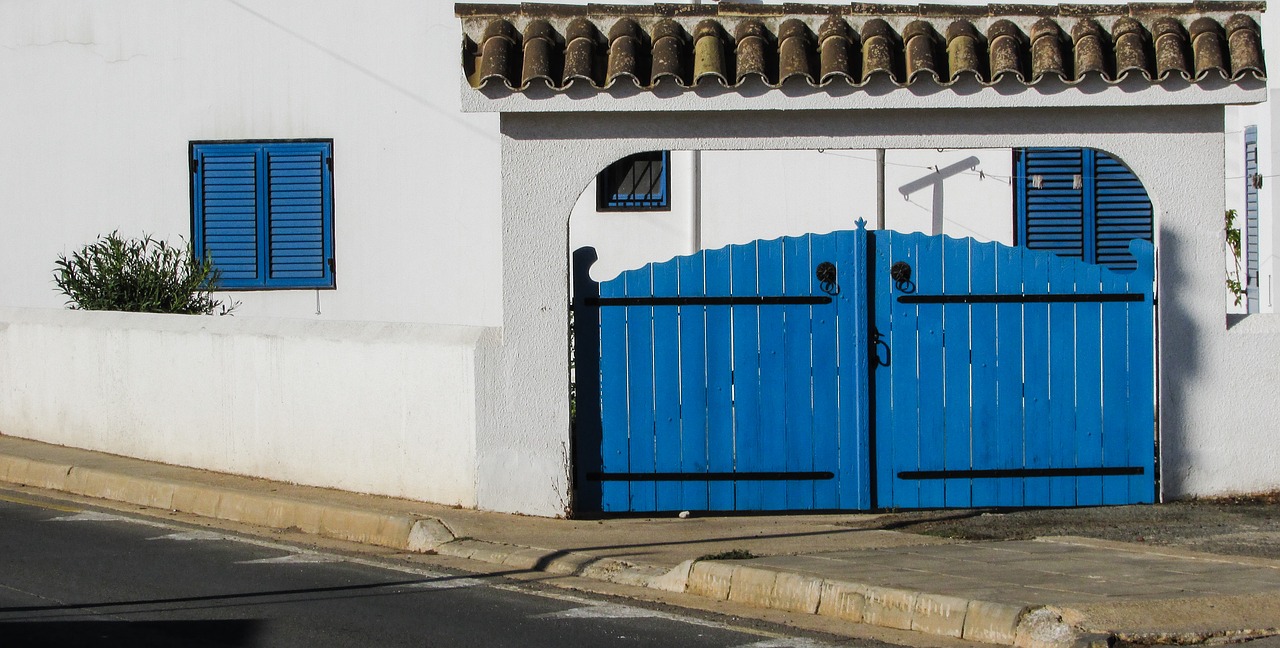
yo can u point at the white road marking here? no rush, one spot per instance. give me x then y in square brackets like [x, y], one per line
[606, 611]
[307, 557]
[786, 642]
[94, 516]
[194, 535]
[446, 583]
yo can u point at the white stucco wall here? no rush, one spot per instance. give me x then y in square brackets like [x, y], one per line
[366, 407]
[102, 98]
[748, 195]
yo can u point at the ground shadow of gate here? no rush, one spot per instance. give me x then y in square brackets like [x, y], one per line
[860, 370]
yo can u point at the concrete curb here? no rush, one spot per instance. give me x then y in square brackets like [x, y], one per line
[736, 581]
[948, 616]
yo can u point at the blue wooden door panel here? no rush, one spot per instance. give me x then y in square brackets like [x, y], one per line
[666, 387]
[799, 406]
[1141, 330]
[984, 440]
[615, 495]
[720, 437]
[746, 377]
[826, 377]
[640, 423]
[771, 448]
[957, 352]
[1010, 425]
[693, 384]
[1039, 383]
[1088, 375]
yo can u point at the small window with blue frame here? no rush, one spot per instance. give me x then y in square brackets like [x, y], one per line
[639, 182]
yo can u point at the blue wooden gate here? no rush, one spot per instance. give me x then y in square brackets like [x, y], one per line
[858, 370]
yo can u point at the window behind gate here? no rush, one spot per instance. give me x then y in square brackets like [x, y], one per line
[1080, 203]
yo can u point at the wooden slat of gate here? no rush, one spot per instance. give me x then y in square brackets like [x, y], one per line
[693, 383]
[746, 375]
[798, 363]
[666, 386]
[931, 439]
[1010, 437]
[1141, 379]
[1062, 369]
[826, 401]
[1115, 390]
[615, 495]
[986, 437]
[771, 448]
[903, 413]
[956, 372]
[720, 388]
[1088, 431]
[640, 424]
[850, 318]
[1035, 345]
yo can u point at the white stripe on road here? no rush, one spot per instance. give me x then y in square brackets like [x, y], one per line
[307, 557]
[786, 642]
[606, 611]
[446, 583]
[186, 536]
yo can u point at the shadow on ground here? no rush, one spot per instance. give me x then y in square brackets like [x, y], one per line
[240, 633]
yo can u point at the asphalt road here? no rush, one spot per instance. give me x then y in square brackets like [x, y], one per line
[71, 576]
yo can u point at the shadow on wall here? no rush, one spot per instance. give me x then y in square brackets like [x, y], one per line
[937, 180]
[1177, 370]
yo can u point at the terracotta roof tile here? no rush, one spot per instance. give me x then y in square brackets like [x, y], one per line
[598, 45]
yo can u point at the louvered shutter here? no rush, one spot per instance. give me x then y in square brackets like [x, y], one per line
[226, 210]
[1051, 202]
[1251, 217]
[297, 185]
[1123, 212]
[263, 212]
[1081, 203]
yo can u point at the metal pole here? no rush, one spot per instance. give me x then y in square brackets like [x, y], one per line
[880, 188]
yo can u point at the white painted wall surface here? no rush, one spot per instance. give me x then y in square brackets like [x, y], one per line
[102, 98]
[749, 195]
[366, 407]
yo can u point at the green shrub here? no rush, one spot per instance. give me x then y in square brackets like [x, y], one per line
[143, 275]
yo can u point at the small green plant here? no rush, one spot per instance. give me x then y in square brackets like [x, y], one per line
[140, 275]
[732, 554]
[1234, 285]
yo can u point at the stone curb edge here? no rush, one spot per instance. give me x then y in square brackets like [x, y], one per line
[738, 582]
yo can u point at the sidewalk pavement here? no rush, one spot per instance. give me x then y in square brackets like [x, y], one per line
[1048, 592]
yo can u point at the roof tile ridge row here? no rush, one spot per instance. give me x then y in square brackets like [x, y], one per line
[582, 51]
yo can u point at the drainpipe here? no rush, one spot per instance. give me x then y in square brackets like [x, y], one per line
[880, 188]
[695, 202]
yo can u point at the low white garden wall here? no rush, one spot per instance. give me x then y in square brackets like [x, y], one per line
[368, 407]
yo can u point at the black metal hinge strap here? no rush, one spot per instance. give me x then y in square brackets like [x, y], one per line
[1021, 472]
[706, 301]
[712, 476]
[1020, 299]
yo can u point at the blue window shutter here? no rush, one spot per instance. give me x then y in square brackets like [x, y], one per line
[1123, 212]
[1052, 216]
[1251, 217]
[1081, 203]
[298, 214]
[226, 211]
[263, 211]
